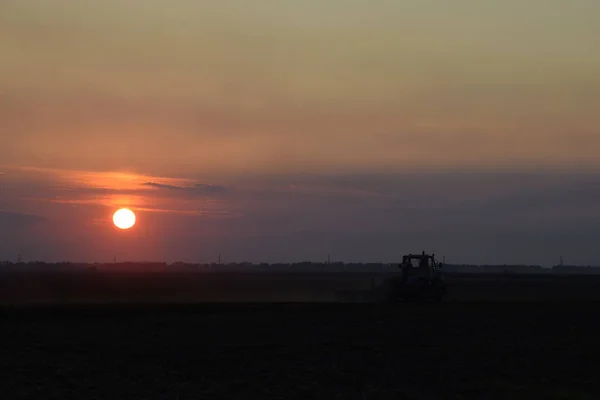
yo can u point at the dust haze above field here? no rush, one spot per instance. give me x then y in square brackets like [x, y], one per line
[289, 130]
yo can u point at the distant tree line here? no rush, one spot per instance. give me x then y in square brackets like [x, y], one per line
[304, 266]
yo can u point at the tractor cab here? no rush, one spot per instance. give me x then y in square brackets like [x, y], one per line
[420, 265]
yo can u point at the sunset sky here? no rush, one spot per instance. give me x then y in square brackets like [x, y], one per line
[279, 130]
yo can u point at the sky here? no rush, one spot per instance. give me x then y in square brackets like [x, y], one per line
[278, 130]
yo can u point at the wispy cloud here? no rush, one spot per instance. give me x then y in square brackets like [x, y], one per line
[102, 190]
[13, 220]
[199, 189]
[201, 213]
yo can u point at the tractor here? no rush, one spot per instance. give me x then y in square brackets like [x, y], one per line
[420, 279]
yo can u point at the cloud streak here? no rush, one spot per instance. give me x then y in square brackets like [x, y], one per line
[14, 220]
[199, 189]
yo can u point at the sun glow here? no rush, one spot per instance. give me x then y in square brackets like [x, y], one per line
[124, 218]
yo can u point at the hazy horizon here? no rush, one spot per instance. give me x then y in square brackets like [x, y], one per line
[285, 131]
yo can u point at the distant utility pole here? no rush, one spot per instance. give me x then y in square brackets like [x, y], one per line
[219, 258]
[328, 259]
[561, 261]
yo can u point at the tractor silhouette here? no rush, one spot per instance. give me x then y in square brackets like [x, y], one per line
[420, 279]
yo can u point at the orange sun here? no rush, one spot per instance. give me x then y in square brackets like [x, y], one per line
[124, 218]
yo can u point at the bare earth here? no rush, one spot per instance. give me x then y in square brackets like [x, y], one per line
[540, 341]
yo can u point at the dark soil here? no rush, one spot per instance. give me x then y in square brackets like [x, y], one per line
[456, 350]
